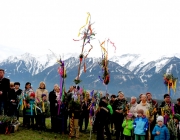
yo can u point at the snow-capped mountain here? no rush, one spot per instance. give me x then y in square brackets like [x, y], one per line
[34, 64]
[131, 73]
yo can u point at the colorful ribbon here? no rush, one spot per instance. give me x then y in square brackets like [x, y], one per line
[85, 24]
[43, 108]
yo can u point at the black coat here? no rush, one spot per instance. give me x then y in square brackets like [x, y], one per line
[177, 109]
[163, 104]
[4, 87]
[86, 106]
[13, 95]
[53, 103]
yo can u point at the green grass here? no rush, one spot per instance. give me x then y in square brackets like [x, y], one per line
[28, 134]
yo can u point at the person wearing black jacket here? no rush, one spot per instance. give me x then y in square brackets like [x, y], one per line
[166, 106]
[53, 108]
[112, 101]
[102, 116]
[85, 107]
[4, 89]
[177, 107]
[119, 111]
[13, 100]
[74, 115]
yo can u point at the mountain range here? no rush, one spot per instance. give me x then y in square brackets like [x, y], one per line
[131, 73]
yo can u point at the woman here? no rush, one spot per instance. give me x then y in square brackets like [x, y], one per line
[25, 96]
[13, 99]
[41, 90]
[54, 98]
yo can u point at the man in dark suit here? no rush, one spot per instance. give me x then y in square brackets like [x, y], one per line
[4, 89]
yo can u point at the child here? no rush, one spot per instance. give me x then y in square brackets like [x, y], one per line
[30, 111]
[160, 131]
[174, 127]
[140, 125]
[44, 105]
[128, 126]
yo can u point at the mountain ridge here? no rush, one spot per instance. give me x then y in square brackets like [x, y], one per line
[135, 75]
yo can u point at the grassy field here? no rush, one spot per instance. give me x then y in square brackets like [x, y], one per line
[28, 134]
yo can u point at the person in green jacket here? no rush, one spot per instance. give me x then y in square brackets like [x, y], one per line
[128, 126]
[110, 108]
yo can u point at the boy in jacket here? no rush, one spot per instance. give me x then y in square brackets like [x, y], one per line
[44, 106]
[160, 131]
[140, 125]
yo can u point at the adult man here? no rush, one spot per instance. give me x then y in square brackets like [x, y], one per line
[143, 105]
[85, 106]
[112, 101]
[4, 89]
[102, 114]
[166, 102]
[177, 107]
[133, 105]
[153, 104]
[165, 107]
[107, 97]
[119, 111]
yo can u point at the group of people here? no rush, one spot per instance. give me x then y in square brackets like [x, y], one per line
[141, 119]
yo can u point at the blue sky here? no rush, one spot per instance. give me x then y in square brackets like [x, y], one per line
[134, 26]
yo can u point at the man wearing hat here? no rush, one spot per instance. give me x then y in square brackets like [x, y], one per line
[165, 108]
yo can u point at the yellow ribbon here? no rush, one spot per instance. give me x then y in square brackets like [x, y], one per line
[147, 113]
[162, 112]
[85, 24]
[43, 109]
[35, 110]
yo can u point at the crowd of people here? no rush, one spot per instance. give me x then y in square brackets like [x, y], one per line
[139, 119]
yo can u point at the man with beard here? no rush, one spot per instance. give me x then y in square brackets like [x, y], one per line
[4, 89]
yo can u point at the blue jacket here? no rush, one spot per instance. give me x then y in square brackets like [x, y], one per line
[164, 133]
[140, 125]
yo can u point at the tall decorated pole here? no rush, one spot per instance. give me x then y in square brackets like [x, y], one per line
[87, 36]
[105, 78]
[63, 75]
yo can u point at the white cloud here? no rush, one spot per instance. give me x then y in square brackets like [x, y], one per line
[134, 26]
